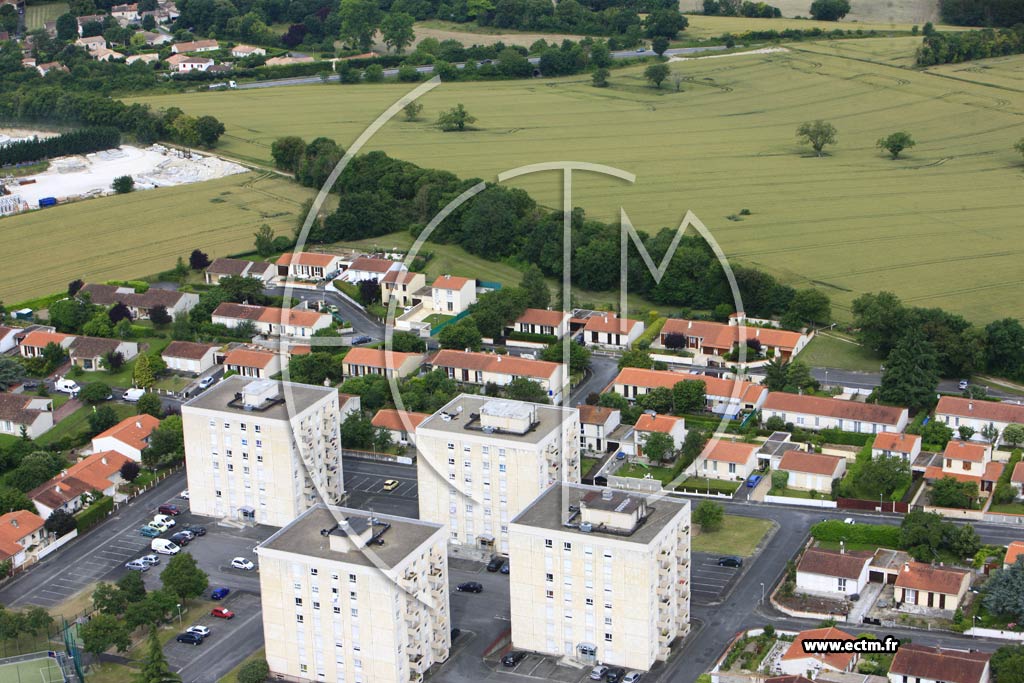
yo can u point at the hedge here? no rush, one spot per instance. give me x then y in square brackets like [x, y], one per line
[530, 337]
[701, 485]
[881, 535]
[834, 436]
[75, 142]
[645, 340]
[94, 514]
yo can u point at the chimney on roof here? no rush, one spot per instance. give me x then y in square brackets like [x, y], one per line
[970, 405]
[14, 523]
[757, 333]
[689, 325]
[138, 424]
[103, 460]
[906, 566]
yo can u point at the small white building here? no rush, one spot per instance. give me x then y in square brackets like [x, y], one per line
[922, 664]
[233, 267]
[541, 321]
[647, 424]
[129, 437]
[889, 444]
[242, 51]
[8, 338]
[254, 362]
[956, 412]
[369, 268]
[361, 361]
[813, 412]
[833, 573]
[34, 414]
[596, 424]
[190, 357]
[453, 295]
[608, 330]
[305, 265]
[195, 46]
[811, 471]
[723, 459]
[480, 369]
[194, 64]
[796, 662]
[400, 424]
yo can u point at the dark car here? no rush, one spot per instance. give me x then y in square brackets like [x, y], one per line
[196, 530]
[219, 593]
[470, 587]
[513, 658]
[495, 564]
[614, 674]
[30, 385]
[361, 339]
[189, 638]
[456, 632]
[169, 509]
[504, 568]
[182, 538]
[730, 561]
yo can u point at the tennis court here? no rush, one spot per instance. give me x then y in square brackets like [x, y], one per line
[40, 669]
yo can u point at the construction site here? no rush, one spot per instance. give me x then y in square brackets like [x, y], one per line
[84, 176]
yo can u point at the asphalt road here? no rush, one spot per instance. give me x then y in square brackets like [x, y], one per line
[602, 371]
[362, 322]
[429, 68]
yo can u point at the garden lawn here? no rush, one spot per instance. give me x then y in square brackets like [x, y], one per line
[1008, 509]
[662, 474]
[705, 484]
[827, 351]
[738, 536]
[77, 423]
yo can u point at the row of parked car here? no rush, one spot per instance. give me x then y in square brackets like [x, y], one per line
[609, 674]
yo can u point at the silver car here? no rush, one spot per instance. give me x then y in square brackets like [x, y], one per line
[150, 559]
[137, 566]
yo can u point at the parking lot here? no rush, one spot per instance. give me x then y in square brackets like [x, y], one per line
[364, 487]
[226, 635]
[710, 583]
[545, 669]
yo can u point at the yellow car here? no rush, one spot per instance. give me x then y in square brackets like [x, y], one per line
[390, 484]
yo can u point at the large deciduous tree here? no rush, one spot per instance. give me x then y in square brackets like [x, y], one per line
[817, 134]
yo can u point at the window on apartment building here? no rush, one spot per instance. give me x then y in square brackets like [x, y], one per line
[245, 470]
[468, 480]
[259, 443]
[607, 637]
[547, 542]
[302, 667]
[313, 571]
[486, 450]
[451, 476]
[607, 605]
[501, 467]
[549, 578]
[351, 578]
[245, 456]
[504, 529]
[315, 589]
[451, 445]
[231, 468]
[299, 619]
[337, 610]
[216, 465]
[256, 428]
[566, 545]
[487, 465]
[213, 423]
[607, 621]
[316, 605]
[298, 601]
[355, 612]
[227, 452]
[259, 457]
[590, 601]
[227, 425]
[217, 493]
[451, 461]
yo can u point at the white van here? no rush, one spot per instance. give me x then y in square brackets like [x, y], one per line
[68, 386]
[164, 547]
[133, 395]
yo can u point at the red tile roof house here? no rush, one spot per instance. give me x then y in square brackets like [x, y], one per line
[176, 303]
[452, 295]
[233, 267]
[649, 424]
[33, 413]
[967, 461]
[479, 369]
[596, 424]
[399, 423]
[796, 662]
[958, 412]
[915, 663]
[923, 589]
[306, 265]
[540, 321]
[609, 331]
[1013, 551]
[129, 437]
[361, 361]
[723, 396]
[722, 459]
[22, 536]
[710, 342]
[241, 51]
[90, 353]
[195, 46]
[190, 357]
[369, 268]
[812, 412]
[98, 472]
[811, 471]
[833, 573]
[194, 64]
[889, 444]
[250, 362]
[34, 342]
[1017, 478]
[402, 285]
[271, 321]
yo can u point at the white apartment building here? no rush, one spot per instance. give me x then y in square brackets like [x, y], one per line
[601, 575]
[261, 450]
[483, 460]
[353, 597]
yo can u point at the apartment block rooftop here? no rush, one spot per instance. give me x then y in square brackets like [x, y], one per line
[353, 536]
[265, 398]
[501, 419]
[597, 511]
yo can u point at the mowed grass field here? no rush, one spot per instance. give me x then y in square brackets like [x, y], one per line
[141, 233]
[37, 15]
[861, 11]
[939, 227]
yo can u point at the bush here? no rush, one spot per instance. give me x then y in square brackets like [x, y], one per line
[537, 338]
[255, 671]
[95, 513]
[869, 534]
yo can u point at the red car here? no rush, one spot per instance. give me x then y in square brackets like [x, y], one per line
[168, 509]
[222, 613]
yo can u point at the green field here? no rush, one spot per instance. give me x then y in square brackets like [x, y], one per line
[132, 235]
[738, 536]
[848, 223]
[862, 14]
[37, 15]
[42, 670]
[826, 351]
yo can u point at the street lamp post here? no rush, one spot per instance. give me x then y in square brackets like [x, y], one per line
[179, 614]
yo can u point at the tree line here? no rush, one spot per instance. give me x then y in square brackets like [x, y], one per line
[736, 8]
[982, 12]
[384, 195]
[83, 141]
[952, 48]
